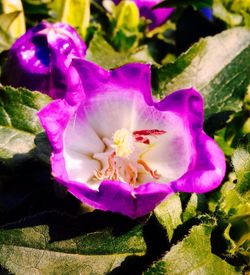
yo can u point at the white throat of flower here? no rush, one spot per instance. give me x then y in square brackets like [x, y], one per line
[123, 158]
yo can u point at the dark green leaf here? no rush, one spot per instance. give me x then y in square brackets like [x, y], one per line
[30, 250]
[19, 123]
[217, 66]
[192, 256]
[185, 3]
[195, 204]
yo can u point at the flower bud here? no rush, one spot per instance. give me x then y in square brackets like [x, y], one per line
[39, 60]
[127, 15]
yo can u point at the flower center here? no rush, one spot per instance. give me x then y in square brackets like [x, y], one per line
[123, 143]
[123, 158]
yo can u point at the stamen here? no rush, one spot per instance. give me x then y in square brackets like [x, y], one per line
[152, 132]
[122, 163]
[154, 173]
[139, 135]
[110, 172]
[142, 139]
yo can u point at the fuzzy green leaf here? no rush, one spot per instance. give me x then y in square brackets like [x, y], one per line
[169, 213]
[19, 123]
[241, 164]
[192, 256]
[30, 251]
[217, 66]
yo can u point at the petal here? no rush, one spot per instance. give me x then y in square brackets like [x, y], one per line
[129, 78]
[207, 169]
[158, 16]
[207, 162]
[119, 197]
[54, 118]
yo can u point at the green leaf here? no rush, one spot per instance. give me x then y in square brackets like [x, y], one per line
[5, 40]
[169, 213]
[192, 256]
[19, 123]
[6, 19]
[234, 210]
[17, 26]
[75, 13]
[220, 11]
[30, 250]
[195, 204]
[102, 53]
[241, 164]
[217, 66]
[185, 3]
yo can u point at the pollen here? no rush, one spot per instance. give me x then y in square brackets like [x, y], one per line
[123, 143]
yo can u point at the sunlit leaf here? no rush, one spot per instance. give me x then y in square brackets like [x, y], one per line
[192, 256]
[217, 66]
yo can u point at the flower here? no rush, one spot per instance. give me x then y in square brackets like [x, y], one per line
[39, 59]
[157, 16]
[116, 148]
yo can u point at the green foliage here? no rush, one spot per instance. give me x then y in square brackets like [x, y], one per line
[102, 53]
[233, 208]
[31, 250]
[6, 21]
[221, 12]
[169, 214]
[241, 164]
[45, 230]
[68, 11]
[194, 206]
[185, 3]
[218, 71]
[192, 256]
[19, 123]
[17, 26]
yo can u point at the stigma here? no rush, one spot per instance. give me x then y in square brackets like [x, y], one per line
[123, 143]
[122, 160]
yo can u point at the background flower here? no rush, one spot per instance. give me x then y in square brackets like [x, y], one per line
[117, 149]
[39, 59]
[157, 16]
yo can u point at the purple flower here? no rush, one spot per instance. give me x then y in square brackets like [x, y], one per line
[158, 16]
[39, 60]
[116, 148]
